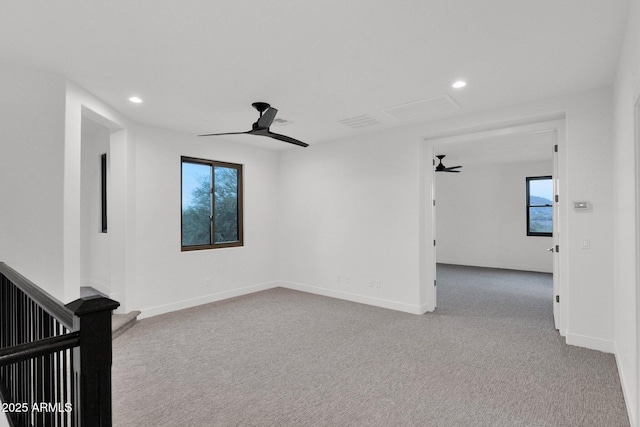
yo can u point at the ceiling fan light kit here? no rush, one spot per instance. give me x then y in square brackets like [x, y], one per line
[261, 126]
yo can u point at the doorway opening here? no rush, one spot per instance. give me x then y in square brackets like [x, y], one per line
[480, 214]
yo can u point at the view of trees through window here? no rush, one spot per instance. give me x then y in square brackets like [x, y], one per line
[226, 204]
[539, 206]
[211, 214]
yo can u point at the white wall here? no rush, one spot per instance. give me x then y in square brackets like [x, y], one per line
[481, 217]
[167, 279]
[625, 151]
[349, 215]
[80, 106]
[31, 174]
[95, 245]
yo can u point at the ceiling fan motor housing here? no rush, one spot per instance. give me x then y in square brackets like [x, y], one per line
[261, 106]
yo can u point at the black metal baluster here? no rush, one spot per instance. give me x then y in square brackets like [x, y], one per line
[12, 342]
[32, 362]
[38, 395]
[21, 367]
[49, 375]
[46, 370]
[65, 384]
[56, 377]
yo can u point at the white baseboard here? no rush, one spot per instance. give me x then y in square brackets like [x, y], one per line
[161, 309]
[426, 308]
[625, 389]
[592, 343]
[378, 302]
[492, 265]
[362, 299]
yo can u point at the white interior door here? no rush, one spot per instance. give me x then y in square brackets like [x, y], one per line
[433, 225]
[557, 307]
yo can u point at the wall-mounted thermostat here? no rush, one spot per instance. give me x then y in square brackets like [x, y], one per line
[581, 205]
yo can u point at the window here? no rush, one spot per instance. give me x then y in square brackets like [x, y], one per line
[211, 204]
[539, 206]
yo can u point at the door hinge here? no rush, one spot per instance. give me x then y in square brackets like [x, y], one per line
[557, 298]
[434, 202]
[555, 148]
[433, 161]
[434, 242]
[557, 198]
[434, 283]
[557, 248]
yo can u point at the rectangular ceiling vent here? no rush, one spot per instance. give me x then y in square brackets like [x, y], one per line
[424, 108]
[359, 121]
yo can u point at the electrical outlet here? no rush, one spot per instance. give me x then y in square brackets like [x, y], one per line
[207, 282]
[347, 280]
[339, 278]
[378, 283]
[371, 283]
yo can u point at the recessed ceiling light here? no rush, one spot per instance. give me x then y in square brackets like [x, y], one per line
[135, 99]
[459, 84]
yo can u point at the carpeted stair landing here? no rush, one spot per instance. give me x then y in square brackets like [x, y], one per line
[119, 322]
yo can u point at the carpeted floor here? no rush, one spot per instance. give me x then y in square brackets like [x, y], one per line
[488, 356]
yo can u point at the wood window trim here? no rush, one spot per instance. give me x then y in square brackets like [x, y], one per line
[240, 201]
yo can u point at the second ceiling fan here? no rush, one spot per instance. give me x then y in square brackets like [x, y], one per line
[443, 168]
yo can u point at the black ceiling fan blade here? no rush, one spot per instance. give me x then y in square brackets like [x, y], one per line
[266, 118]
[261, 126]
[285, 139]
[449, 170]
[226, 133]
[453, 167]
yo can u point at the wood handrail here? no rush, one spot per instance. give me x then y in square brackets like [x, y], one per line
[29, 350]
[48, 303]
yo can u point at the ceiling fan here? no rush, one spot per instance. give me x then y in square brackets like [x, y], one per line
[261, 127]
[443, 168]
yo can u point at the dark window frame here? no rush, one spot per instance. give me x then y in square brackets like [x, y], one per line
[529, 206]
[240, 208]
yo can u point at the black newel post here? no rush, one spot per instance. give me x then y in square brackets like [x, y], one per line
[92, 360]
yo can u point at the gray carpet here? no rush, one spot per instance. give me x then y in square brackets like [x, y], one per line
[488, 356]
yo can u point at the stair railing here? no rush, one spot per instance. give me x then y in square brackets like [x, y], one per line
[55, 359]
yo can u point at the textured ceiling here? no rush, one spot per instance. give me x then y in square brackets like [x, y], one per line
[199, 65]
